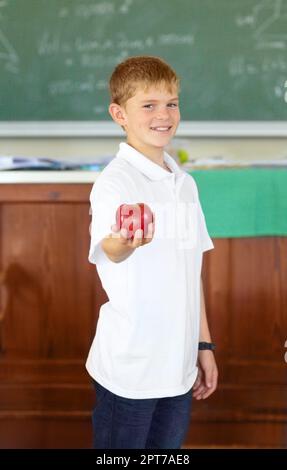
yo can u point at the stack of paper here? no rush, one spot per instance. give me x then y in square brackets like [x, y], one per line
[22, 163]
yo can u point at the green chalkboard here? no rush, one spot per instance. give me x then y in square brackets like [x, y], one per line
[56, 56]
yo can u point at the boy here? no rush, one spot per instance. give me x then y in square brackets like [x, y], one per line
[144, 359]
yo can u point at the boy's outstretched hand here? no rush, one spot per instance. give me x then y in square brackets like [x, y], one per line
[118, 247]
[138, 239]
[207, 377]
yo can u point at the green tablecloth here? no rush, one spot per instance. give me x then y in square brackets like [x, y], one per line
[243, 202]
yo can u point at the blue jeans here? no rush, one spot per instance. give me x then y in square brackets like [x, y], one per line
[153, 423]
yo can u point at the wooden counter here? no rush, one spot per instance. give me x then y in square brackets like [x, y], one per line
[49, 301]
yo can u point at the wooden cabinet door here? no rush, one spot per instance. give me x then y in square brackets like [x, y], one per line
[50, 296]
[245, 284]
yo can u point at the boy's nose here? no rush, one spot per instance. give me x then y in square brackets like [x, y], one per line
[162, 113]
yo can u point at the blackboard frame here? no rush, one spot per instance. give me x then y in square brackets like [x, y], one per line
[81, 129]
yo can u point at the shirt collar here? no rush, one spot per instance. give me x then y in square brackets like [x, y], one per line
[146, 166]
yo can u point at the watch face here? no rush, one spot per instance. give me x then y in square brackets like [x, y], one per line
[202, 345]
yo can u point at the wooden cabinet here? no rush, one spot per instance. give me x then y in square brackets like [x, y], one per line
[50, 297]
[49, 301]
[246, 288]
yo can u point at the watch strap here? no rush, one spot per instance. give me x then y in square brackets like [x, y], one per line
[202, 345]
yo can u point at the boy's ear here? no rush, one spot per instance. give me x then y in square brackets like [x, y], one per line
[117, 113]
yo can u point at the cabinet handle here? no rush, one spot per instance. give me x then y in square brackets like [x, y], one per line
[3, 307]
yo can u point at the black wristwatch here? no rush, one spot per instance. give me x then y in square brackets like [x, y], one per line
[203, 345]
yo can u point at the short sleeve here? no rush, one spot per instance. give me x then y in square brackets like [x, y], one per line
[105, 198]
[205, 240]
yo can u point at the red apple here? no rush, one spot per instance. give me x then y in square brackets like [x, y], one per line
[133, 217]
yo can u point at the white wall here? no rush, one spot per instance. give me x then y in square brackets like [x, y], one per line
[90, 148]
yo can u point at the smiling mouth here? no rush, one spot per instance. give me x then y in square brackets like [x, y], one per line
[161, 128]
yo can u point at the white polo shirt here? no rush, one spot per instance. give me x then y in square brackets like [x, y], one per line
[146, 343]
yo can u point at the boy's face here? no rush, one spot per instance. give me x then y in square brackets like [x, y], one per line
[151, 118]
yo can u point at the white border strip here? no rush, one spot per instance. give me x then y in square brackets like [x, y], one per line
[110, 129]
[63, 176]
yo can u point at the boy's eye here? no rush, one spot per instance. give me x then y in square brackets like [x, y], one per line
[170, 105]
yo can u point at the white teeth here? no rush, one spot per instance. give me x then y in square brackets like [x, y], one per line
[160, 128]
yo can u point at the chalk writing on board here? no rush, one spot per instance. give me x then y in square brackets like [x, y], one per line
[92, 9]
[101, 60]
[175, 39]
[69, 86]
[285, 94]
[270, 30]
[244, 20]
[52, 44]
[267, 19]
[278, 88]
[49, 45]
[8, 55]
[241, 65]
[3, 3]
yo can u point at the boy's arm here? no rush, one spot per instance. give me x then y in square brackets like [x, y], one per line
[204, 334]
[118, 247]
[206, 381]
